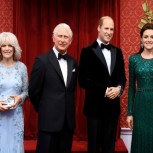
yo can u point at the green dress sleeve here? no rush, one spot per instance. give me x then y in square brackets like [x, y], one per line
[132, 84]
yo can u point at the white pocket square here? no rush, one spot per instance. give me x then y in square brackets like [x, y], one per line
[73, 70]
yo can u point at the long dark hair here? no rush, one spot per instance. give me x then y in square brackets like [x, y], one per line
[144, 28]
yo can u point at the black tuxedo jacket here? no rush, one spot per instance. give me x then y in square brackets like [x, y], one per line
[53, 101]
[95, 78]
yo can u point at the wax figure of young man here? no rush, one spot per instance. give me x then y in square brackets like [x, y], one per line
[102, 75]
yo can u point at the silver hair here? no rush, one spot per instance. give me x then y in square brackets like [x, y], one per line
[13, 42]
[63, 26]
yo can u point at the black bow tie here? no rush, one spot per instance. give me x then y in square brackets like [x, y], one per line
[105, 46]
[62, 56]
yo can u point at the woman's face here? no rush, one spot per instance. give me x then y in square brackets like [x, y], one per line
[147, 39]
[7, 50]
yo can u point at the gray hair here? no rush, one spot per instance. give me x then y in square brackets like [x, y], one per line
[13, 42]
[63, 26]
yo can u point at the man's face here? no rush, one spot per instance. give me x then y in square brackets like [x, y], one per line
[62, 40]
[106, 31]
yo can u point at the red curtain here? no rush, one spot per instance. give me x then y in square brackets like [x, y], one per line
[34, 21]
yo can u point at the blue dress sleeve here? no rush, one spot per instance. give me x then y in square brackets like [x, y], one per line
[24, 89]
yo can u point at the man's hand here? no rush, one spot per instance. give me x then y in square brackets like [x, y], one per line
[113, 92]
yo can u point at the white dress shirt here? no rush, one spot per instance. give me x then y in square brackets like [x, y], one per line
[63, 65]
[107, 55]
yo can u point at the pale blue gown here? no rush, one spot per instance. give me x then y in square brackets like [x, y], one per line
[13, 81]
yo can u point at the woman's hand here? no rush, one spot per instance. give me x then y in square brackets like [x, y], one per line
[17, 99]
[2, 106]
[130, 121]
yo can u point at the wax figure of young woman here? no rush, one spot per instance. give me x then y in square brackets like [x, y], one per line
[140, 97]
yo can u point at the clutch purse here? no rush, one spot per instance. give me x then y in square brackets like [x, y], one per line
[8, 101]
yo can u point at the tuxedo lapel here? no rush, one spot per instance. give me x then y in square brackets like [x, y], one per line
[54, 61]
[97, 50]
[113, 59]
[70, 68]
[100, 55]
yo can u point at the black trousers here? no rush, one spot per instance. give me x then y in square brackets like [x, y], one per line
[102, 134]
[55, 142]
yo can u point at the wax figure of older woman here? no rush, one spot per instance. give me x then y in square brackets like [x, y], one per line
[13, 91]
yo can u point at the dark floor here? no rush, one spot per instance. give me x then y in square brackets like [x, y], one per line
[78, 146]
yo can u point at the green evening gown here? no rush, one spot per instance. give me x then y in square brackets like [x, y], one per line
[140, 103]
